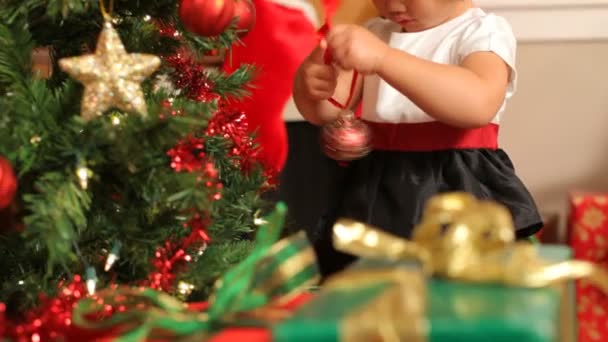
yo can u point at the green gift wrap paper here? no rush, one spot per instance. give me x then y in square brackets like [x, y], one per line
[455, 311]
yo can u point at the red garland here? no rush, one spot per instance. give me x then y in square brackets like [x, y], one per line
[232, 124]
[172, 257]
[188, 155]
[52, 319]
[190, 76]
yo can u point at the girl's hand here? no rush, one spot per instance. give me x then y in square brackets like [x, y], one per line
[316, 79]
[355, 48]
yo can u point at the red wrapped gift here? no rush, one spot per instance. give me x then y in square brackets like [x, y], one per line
[588, 237]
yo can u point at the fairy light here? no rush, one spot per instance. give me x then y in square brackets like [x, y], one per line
[257, 220]
[147, 18]
[185, 288]
[83, 173]
[91, 280]
[113, 256]
[115, 120]
[202, 249]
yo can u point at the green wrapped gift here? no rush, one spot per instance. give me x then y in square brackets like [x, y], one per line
[374, 300]
[461, 277]
[378, 300]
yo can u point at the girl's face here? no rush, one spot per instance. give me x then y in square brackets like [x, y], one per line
[420, 15]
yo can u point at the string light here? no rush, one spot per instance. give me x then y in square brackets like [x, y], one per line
[113, 256]
[91, 280]
[257, 220]
[202, 249]
[185, 288]
[35, 140]
[84, 173]
[115, 120]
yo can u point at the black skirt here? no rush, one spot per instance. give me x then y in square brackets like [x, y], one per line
[388, 189]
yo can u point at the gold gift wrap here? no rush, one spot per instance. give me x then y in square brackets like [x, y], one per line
[463, 275]
[374, 300]
[463, 239]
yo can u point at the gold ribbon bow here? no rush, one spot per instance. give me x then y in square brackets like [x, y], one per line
[466, 239]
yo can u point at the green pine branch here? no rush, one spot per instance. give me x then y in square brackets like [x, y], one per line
[234, 84]
[57, 213]
[16, 46]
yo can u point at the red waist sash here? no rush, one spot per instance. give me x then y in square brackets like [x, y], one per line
[431, 136]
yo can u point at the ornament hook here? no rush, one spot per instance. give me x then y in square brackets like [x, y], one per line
[106, 12]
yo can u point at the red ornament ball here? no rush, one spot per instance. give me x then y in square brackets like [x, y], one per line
[347, 138]
[8, 183]
[244, 11]
[206, 18]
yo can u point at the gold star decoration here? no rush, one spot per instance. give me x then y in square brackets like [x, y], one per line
[111, 76]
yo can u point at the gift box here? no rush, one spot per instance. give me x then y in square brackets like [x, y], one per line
[462, 277]
[455, 311]
[367, 301]
[588, 237]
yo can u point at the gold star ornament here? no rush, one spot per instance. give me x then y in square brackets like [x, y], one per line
[111, 76]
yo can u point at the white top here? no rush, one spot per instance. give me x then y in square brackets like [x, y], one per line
[448, 43]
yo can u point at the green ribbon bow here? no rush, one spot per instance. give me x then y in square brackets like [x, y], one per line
[274, 269]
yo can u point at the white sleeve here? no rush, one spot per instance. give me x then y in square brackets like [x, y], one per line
[491, 33]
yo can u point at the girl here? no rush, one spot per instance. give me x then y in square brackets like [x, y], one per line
[437, 74]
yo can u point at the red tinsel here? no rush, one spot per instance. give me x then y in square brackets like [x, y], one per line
[52, 319]
[173, 257]
[168, 110]
[190, 76]
[168, 260]
[188, 155]
[232, 125]
[168, 31]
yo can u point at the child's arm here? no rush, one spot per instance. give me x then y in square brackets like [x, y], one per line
[466, 95]
[315, 82]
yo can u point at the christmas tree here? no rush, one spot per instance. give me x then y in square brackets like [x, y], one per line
[128, 165]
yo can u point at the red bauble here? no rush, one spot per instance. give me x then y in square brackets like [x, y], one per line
[347, 138]
[206, 18]
[8, 183]
[244, 11]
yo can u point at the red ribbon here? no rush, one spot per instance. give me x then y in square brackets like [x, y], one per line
[330, 8]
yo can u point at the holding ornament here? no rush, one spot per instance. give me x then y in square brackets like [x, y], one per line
[347, 138]
[434, 89]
